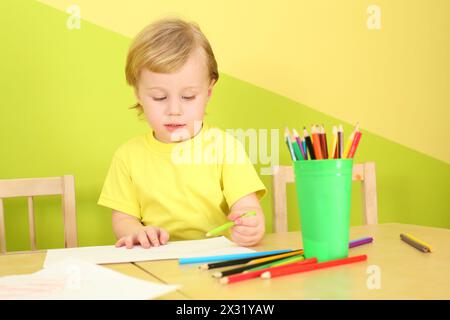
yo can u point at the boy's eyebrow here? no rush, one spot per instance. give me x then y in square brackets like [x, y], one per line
[161, 88]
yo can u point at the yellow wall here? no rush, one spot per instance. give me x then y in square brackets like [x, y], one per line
[394, 80]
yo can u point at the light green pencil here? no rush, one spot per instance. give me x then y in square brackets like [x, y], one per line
[228, 225]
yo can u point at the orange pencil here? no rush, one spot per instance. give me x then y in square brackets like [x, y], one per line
[297, 269]
[316, 143]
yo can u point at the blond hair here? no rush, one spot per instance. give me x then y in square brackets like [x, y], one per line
[164, 46]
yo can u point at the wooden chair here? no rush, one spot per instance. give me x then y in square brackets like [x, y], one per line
[364, 172]
[64, 186]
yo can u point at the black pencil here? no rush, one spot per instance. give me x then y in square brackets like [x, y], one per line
[309, 145]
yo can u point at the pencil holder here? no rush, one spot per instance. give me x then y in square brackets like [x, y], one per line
[324, 197]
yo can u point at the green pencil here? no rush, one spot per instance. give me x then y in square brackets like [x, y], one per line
[228, 225]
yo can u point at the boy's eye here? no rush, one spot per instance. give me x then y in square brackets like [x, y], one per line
[188, 98]
[159, 99]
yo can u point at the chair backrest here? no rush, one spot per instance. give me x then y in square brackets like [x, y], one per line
[282, 175]
[64, 186]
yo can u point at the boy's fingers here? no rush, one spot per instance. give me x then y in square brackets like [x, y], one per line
[129, 242]
[120, 242]
[234, 215]
[242, 240]
[245, 231]
[248, 221]
[153, 236]
[163, 236]
[142, 237]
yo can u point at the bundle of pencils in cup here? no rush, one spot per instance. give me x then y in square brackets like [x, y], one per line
[315, 146]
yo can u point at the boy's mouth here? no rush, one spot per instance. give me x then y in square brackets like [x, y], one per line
[174, 126]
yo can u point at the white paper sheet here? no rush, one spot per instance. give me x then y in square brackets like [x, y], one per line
[75, 279]
[172, 250]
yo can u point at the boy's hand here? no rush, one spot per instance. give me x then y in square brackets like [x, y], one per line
[247, 231]
[146, 237]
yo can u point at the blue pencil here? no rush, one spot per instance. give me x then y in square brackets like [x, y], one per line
[304, 148]
[229, 256]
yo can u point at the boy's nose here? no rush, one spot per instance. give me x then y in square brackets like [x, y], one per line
[175, 108]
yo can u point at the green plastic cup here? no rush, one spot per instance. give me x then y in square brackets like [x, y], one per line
[324, 189]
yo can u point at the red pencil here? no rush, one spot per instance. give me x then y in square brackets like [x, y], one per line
[352, 150]
[257, 273]
[311, 267]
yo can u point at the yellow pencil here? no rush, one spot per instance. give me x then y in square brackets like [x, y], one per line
[278, 256]
[419, 241]
[350, 142]
[332, 151]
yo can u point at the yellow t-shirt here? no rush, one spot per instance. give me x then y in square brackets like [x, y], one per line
[187, 187]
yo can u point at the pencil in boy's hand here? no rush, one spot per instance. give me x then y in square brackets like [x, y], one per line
[228, 225]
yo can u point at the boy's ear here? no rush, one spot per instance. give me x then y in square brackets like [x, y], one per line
[210, 88]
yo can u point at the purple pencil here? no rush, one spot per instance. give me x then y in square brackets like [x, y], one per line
[359, 242]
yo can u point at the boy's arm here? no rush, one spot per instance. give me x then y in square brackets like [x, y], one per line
[250, 230]
[123, 224]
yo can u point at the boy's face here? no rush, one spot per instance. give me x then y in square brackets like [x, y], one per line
[174, 103]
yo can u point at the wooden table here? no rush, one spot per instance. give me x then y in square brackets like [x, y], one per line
[401, 271]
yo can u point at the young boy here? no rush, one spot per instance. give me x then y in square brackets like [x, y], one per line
[156, 185]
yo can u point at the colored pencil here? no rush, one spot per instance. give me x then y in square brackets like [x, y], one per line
[308, 141]
[281, 262]
[418, 241]
[229, 256]
[228, 225]
[316, 143]
[235, 262]
[257, 273]
[289, 144]
[300, 144]
[359, 242]
[415, 244]
[297, 151]
[232, 271]
[323, 142]
[332, 153]
[277, 256]
[340, 146]
[350, 141]
[354, 146]
[298, 269]
[304, 148]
